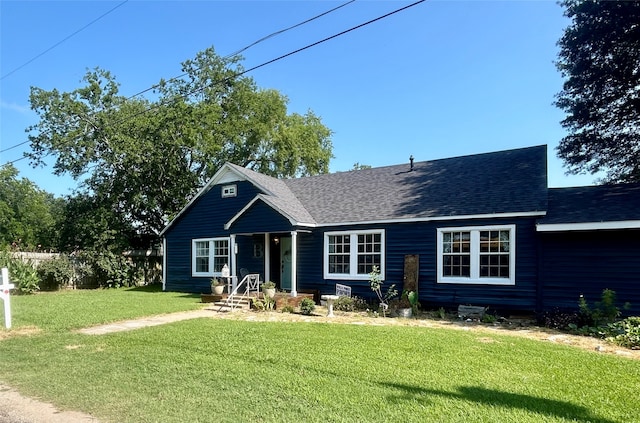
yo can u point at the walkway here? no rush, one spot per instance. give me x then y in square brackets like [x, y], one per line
[145, 322]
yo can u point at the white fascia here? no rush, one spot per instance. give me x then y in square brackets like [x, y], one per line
[588, 226]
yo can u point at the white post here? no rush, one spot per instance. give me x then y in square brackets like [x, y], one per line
[267, 258]
[294, 264]
[5, 289]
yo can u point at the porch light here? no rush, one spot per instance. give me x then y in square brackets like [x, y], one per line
[276, 240]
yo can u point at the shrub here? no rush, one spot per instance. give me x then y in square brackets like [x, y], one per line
[344, 303]
[22, 274]
[264, 304]
[55, 273]
[307, 305]
[107, 270]
[626, 333]
[287, 309]
[561, 319]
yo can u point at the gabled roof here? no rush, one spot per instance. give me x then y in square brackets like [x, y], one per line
[504, 182]
[281, 198]
[593, 207]
[511, 182]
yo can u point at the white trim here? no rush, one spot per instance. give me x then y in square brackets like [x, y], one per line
[437, 218]
[294, 263]
[384, 221]
[269, 203]
[588, 226]
[226, 174]
[267, 257]
[475, 278]
[210, 273]
[229, 190]
[353, 255]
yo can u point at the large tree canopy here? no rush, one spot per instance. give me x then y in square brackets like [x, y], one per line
[600, 61]
[143, 159]
[29, 217]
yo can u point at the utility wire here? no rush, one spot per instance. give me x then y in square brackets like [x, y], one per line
[271, 61]
[225, 57]
[62, 41]
[253, 44]
[157, 106]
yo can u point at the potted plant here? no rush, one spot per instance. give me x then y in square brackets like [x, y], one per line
[404, 305]
[217, 286]
[269, 289]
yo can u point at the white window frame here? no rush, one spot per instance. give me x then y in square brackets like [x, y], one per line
[353, 255]
[229, 191]
[475, 256]
[211, 242]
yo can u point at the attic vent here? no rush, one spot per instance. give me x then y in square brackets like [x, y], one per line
[229, 191]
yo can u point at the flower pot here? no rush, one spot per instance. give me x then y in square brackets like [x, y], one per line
[217, 289]
[404, 312]
[269, 292]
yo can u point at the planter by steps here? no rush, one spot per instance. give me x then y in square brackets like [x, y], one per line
[404, 312]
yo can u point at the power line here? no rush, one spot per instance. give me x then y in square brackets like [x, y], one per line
[308, 46]
[282, 31]
[62, 41]
[226, 57]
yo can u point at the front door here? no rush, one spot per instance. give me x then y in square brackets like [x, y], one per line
[285, 263]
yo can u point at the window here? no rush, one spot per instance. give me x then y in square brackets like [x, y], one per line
[229, 191]
[483, 255]
[352, 255]
[209, 256]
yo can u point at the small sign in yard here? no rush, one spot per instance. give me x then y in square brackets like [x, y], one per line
[5, 291]
[343, 290]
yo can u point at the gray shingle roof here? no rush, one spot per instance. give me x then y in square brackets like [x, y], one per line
[604, 203]
[281, 196]
[511, 181]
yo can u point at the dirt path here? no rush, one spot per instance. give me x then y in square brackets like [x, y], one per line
[19, 409]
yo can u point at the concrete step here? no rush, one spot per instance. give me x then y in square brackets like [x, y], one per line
[227, 306]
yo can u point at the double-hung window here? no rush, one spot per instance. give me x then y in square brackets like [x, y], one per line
[209, 256]
[482, 255]
[352, 255]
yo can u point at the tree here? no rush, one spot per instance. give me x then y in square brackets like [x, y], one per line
[29, 217]
[600, 60]
[143, 159]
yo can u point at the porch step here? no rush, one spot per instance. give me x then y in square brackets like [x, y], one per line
[223, 306]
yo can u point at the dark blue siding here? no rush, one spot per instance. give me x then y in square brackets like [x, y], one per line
[204, 219]
[586, 263]
[260, 218]
[420, 238]
[251, 254]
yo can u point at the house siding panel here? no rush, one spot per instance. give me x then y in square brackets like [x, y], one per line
[260, 218]
[204, 219]
[586, 263]
[420, 238]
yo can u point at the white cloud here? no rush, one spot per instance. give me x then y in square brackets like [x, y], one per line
[15, 107]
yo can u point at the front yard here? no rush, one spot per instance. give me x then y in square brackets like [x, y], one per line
[258, 368]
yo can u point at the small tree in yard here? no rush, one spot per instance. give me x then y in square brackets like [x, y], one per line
[375, 280]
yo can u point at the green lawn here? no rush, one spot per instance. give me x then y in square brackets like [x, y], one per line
[207, 370]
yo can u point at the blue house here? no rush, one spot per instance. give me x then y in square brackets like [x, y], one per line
[482, 229]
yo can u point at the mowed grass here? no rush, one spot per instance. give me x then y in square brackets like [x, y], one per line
[74, 309]
[214, 370]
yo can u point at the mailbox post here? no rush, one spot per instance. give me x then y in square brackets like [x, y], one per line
[5, 295]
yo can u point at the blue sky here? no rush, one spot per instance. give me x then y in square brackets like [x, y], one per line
[440, 79]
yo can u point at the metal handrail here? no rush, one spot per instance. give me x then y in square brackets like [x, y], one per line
[251, 283]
